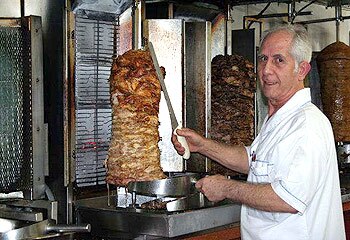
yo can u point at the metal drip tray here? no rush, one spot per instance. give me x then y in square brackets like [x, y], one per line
[174, 186]
[114, 220]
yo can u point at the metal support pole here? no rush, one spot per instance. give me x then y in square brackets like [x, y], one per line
[338, 18]
[171, 11]
[291, 11]
[22, 8]
[226, 26]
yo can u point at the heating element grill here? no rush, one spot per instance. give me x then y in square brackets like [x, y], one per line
[15, 104]
[96, 44]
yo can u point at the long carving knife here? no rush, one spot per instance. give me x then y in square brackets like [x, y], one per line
[174, 123]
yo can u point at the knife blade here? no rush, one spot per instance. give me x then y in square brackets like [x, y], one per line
[174, 123]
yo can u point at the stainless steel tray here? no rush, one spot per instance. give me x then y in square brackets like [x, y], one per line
[174, 186]
[193, 201]
[110, 220]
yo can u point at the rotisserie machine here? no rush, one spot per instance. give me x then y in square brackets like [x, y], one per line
[183, 45]
[28, 209]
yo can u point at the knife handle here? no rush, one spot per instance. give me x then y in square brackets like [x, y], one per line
[183, 142]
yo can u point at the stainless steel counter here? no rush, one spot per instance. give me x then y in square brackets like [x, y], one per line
[109, 219]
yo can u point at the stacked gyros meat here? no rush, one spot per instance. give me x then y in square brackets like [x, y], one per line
[233, 87]
[135, 94]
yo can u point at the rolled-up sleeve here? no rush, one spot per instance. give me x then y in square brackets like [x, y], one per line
[247, 149]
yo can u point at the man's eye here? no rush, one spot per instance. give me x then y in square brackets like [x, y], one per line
[279, 60]
[262, 58]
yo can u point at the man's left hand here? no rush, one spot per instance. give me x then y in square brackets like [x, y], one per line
[213, 187]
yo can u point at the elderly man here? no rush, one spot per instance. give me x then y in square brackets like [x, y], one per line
[292, 191]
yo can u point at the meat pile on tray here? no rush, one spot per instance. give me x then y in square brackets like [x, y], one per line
[233, 86]
[135, 90]
[157, 204]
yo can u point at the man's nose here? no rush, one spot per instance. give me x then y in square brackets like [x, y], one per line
[267, 67]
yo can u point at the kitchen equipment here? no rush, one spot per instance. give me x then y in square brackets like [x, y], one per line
[23, 138]
[183, 48]
[343, 155]
[162, 208]
[343, 152]
[173, 194]
[333, 65]
[333, 69]
[175, 186]
[32, 219]
[40, 229]
[25, 198]
[174, 123]
[193, 201]
[123, 220]
[99, 38]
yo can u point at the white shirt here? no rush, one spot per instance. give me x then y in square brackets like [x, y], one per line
[295, 152]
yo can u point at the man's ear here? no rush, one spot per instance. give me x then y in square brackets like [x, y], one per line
[304, 69]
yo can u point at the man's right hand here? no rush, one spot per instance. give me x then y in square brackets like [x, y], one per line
[234, 157]
[194, 140]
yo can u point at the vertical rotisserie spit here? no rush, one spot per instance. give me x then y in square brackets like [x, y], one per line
[334, 66]
[135, 94]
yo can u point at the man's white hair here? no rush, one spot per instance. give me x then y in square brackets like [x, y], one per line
[301, 48]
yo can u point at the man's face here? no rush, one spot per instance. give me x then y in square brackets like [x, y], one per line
[276, 69]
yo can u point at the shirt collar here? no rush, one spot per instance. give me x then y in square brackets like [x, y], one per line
[300, 98]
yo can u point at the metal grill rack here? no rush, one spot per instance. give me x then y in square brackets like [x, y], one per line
[23, 133]
[96, 44]
[15, 100]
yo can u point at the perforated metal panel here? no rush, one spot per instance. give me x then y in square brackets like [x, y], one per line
[15, 104]
[96, 42]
